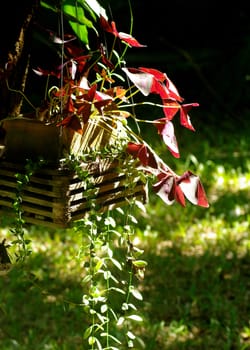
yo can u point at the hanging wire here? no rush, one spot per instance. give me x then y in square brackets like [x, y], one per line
[62, 53]
[127, 79]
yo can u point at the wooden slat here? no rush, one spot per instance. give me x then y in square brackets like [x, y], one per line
[56, 197]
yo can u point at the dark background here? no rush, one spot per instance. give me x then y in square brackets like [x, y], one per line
[203, 46]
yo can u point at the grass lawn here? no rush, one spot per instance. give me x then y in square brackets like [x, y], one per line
[196, 289]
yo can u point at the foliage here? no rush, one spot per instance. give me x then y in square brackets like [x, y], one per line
[93, 87]
[94, 84]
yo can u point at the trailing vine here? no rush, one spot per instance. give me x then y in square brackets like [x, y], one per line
[18, 230]
[111, 265]
[111, 262]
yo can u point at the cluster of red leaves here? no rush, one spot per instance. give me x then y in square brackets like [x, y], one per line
[82, 98]
[170, 186]
[152, 81]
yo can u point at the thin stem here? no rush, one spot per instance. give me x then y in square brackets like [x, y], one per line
[62, 55]
[21, 93]
[148, 103]
[46, 87]
[107, 286]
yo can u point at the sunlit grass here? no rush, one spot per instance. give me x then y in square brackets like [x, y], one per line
[196, 285]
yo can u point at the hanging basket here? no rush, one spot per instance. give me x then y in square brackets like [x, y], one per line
[27, 138]
[55, 195]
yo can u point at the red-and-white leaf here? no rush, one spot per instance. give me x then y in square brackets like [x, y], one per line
[174, 93]
[143, 81]
[166, 130]
[163, 85]
[84, 84]
[160, 76]
[165, 188]
[111, 28]
[45, 72]
[193, 189]
[129, 39]
[57, 40]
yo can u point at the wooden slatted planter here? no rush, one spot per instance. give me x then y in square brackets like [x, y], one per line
[56, 197]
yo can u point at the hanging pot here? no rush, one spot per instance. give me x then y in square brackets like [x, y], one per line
[27, 138]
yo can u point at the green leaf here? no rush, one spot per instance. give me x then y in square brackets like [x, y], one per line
[139, 263]
[98, 265]
[107, 275]
[117, 264]
[133, 219]
[117, 290]
[136, 294]
[104, 334]
[94, 7]
[135, 318]
[87, 332]
[120, 321]
[131, 335]
[124, 307]
[110, 222]
[91, 340]
[87, 279]
[104, 308]
[48, 6]
[102, 318]
[130, 344]
[141, 206]
[77, 20]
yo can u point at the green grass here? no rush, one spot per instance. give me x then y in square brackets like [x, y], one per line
[196, 288]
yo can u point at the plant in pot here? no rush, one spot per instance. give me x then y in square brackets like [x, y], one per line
[89, 112]
[93, 104]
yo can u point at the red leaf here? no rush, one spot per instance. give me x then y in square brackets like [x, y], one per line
[114, 30]
[92, 98]
[201, 194]
[70, 106]
[184, 117]
[159, 88]
[73, 50]
[179, 196]
[142, 152]
[170, 108]
[108, 27]
[84, 110]
[82, 63]
[72, 122]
